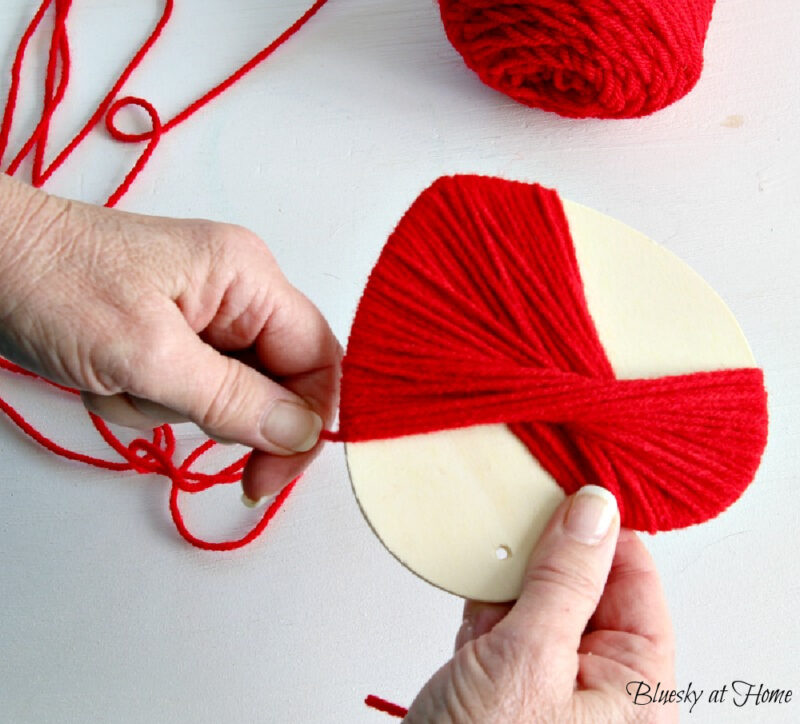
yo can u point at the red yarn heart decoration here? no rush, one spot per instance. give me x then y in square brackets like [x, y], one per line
[475, 313]
[583, 58]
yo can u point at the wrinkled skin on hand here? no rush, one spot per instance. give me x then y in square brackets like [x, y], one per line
[165, 320]
[590, 619]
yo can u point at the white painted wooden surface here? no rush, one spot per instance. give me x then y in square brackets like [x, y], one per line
[108, 616]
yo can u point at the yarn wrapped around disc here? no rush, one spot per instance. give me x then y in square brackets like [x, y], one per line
[583, 58]
[475, 314]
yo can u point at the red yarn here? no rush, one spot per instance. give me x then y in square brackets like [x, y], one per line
[387, 707]
[583, 58]
[141, 455]
[521, 346]
[475, 313]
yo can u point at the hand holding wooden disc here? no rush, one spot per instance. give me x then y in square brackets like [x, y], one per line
[462, 505]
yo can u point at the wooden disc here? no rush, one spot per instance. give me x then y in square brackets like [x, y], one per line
[463, 508]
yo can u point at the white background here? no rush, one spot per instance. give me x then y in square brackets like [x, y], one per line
[107, 616]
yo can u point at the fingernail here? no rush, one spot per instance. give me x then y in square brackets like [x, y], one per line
[590, 514]
[250, 503]
[291, 426]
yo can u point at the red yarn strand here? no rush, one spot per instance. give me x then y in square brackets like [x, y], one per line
[16, 69]
[256, 60]
[54, 447]
[142, 456]
[375, 702]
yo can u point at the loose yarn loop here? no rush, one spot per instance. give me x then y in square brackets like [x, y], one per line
[583, 58]
[141, 455]
[154, 456]
[475, 313]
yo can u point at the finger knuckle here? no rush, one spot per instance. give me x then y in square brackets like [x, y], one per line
[136, 358]
[510, 680]
[488, 681]
[225, 404]
[156, 348]
[490, 657]
[572, 577]
[111, 364]
[235, 238]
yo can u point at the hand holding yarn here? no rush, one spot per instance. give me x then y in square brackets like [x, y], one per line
[565, 651]
[162, 320]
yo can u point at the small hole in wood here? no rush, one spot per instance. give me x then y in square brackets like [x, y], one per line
[502, 552]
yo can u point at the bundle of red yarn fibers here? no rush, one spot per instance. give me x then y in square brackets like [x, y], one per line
[475, 314]
[583, 58]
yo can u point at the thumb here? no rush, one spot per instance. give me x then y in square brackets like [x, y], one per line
[565, 577]
[228, 399]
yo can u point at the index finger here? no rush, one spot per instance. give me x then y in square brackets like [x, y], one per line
[297, 349]
[633, 600]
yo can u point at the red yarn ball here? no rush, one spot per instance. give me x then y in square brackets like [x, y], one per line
[583, 58]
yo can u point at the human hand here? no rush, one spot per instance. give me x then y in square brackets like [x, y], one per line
[565, 651]
[165, 320]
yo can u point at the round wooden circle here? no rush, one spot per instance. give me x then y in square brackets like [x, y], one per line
[463, 508]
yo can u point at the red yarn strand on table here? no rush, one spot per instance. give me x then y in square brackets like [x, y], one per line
[475, 314]
[375, 702]
[141, 455]
[583, 58]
